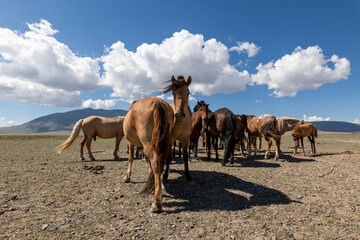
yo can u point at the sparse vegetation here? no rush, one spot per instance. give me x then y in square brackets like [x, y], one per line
[44, 195]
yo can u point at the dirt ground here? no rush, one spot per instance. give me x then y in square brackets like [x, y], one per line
[44, 195]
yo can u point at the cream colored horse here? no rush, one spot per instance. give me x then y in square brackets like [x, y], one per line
[93, 126]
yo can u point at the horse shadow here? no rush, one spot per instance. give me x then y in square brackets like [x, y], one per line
[219, 191]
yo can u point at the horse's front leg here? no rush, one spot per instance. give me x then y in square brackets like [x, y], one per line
[131, 160]
[117, 144]
[166, 173]
[277, 148]
[186, 162]
[215, 144]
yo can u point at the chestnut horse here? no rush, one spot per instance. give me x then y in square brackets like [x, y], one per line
[139, 129]
[264, 126]
[199, 117]
[221, 123]
[305, 130]
[182, 127]
[95, 126]
[148, 124]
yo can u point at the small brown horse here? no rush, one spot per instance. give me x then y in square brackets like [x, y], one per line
[264, 126]
[95, 126]
[182, 128]
[305, 130]
[199, 117]
[221, 123]
[148, 124]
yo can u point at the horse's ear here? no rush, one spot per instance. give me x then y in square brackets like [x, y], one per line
[198, 103]
[188, 81]
[172, 79]
[208, 104]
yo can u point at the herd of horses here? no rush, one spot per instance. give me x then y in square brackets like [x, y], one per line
[154, 125]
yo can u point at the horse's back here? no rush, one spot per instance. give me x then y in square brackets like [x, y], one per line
[102, 126]
[139, 121]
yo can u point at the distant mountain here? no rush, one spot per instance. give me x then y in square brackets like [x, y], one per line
[58, 122]
[336, 126]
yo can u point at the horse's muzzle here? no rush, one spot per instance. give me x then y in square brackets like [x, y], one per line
[180, 117]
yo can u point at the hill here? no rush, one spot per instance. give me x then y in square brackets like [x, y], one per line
[59, 122]
[336, 126]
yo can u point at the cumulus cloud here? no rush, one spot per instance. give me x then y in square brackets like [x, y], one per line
[133, 75]
[357, 121]
[315, 118]
[97, 104]
[6, 123]
[36, 68]
[302, 69]
[245, 47]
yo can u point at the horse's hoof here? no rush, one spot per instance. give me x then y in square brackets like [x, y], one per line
[156, 209]
[188, 179]
[92, 159]
[116, 158]
[126, 180]
[82, 158]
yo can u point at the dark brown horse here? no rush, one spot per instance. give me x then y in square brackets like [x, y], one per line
[221, 123]
[199, 117]
[240, 129]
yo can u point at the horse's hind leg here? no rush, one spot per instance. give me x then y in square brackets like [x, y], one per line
[277, 148]
[88, 145]
[269, 142]
[117, 143]
[82, 143]
[313, 137]
[131, 160]
[302, 144]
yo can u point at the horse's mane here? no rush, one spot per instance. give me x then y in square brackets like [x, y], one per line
[198, 105]
[174, 85]
[283, 120]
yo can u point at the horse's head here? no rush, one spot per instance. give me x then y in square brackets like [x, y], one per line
[203, 111]
[180, 90]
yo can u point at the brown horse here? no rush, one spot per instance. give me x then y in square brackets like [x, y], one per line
[240, 129]
[182, 127]
[148, 124]
[305, 130]
[264, 126]
[199, 117]
[286, 124]
[221, 123]
[95, 126]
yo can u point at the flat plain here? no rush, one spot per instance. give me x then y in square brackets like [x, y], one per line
[44, 195]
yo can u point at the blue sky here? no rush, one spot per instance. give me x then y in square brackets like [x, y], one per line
[285, 58]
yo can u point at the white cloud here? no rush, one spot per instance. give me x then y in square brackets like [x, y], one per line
[357, 121]
[303, 69]
[245, 47]
[36, 68]
[315, 118]
[133, 75]
[6, 123]
[97, 104]
[258, 101]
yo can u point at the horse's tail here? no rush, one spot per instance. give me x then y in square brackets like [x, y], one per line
[270, 128]
[229, 140]
[160, 142]
[315, 132]
[75, 133]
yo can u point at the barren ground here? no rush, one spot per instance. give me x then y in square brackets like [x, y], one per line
[44, 195]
